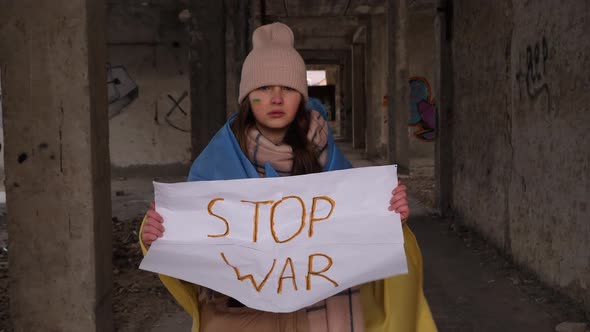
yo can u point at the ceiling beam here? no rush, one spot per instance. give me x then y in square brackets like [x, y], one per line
[323, 43]
[327, 21]
[325, 57]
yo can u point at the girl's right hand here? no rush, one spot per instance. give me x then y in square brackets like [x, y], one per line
[153, 228]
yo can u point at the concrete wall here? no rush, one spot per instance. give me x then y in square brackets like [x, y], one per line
[520, 120]
[150, 42]
[421, 62]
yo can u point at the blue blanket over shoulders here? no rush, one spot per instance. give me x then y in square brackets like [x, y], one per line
[223, 159]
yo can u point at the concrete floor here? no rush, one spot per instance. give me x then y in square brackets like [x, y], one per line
[469, 287]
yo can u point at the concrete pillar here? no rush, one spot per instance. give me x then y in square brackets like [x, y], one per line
[338, 100]
[376, 86]
[207, 71]
[346, 114]
[332, 78]
[359, 112]
[2, 188]
[57, 164]
[339, 125]
[257, 13]
[443, 74]
[237, 37]
[331, 74]
[398, 89]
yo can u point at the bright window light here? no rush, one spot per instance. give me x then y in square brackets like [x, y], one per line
[316, 77]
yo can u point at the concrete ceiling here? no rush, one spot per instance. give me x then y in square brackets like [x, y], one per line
[307, 8]
[320, 7]
[327, 24]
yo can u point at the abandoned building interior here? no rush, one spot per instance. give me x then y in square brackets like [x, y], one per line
[483, 105]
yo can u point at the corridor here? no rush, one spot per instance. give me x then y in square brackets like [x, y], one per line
[483, 105]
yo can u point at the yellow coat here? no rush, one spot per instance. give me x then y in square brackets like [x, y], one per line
[395, 304]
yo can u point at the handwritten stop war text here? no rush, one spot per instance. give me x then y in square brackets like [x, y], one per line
[288, 269]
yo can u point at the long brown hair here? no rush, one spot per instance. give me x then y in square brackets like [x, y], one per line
[305, 157]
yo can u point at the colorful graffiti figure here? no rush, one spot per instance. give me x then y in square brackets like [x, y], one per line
[422, 109]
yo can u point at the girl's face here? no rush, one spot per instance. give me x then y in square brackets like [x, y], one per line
[274, 107]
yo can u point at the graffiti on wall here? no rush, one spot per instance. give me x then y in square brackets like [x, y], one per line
[122, 90]
[422, 109]
[532, 69]
[176, 116]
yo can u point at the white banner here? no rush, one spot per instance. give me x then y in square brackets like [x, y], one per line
[280, 244]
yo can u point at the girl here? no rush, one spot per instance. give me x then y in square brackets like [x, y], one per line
[274, 134]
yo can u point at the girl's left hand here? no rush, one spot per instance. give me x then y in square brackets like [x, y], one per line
[399, 202]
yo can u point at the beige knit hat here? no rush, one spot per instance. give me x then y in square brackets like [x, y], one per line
[273, 61]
